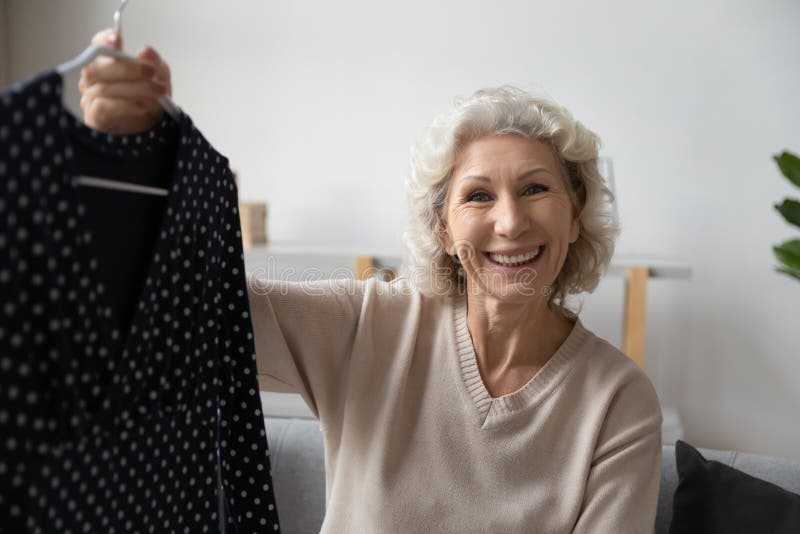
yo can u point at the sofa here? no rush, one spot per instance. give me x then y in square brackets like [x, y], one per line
[298, 474]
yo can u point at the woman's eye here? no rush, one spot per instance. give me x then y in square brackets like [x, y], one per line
[534, 189]
[478, 196]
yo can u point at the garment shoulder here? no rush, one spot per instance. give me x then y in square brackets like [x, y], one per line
[13, 99]
[622, 388]
[608, 364]
[198, 139]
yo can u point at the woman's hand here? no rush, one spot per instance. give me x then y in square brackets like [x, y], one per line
[120, 96]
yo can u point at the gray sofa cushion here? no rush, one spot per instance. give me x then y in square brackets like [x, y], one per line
[298, 472]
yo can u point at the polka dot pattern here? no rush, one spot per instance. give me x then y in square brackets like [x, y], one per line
[105, 428]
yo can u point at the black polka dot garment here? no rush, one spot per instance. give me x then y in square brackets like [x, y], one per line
[113, 427]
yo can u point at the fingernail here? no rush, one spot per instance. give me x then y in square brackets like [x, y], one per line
[113, 38]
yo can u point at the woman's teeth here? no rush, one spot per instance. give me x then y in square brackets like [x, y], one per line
[513, 261]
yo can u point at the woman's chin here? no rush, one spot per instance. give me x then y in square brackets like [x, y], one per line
[522, 286]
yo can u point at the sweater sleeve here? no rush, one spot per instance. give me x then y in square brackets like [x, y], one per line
[304, 337]
[622, 488]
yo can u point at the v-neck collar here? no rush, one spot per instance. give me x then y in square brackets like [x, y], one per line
[119, 338]
[494, 411]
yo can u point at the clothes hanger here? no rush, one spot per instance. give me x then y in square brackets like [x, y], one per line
[83, 59]
[90, 53]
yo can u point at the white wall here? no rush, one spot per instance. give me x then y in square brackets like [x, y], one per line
[317, 102]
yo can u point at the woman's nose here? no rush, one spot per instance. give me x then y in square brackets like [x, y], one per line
[511, 219]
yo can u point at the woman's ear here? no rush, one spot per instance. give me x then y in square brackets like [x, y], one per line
[575, 226]
[575, 229]
[447, 240]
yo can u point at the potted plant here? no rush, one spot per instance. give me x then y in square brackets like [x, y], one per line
[788, 252]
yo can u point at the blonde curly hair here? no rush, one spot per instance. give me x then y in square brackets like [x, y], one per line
[498, 111]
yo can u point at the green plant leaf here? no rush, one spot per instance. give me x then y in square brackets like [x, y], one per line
[790, 209]
[788, 253]
[789, 164]
[791, 272]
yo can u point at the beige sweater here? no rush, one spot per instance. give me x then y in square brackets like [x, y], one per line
[415, 443]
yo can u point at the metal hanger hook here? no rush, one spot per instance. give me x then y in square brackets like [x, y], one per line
[118, 17]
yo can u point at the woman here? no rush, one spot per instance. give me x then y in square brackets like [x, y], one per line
[470, 398]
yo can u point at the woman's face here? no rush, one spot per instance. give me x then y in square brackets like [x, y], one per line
[509, 216]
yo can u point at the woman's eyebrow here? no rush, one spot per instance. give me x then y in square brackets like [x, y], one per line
[522, 176]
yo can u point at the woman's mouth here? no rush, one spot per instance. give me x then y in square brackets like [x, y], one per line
[515, 260]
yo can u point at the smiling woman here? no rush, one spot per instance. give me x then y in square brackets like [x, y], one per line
[471, 399]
